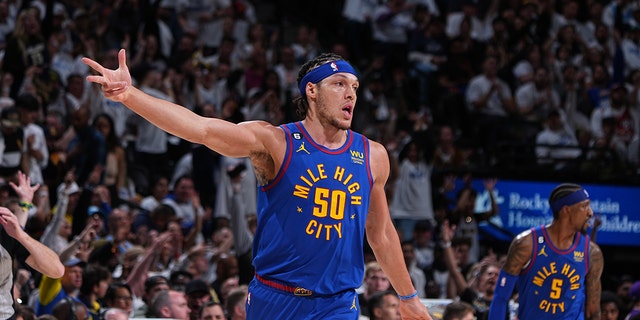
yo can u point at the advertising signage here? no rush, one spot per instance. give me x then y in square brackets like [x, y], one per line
[524, 204]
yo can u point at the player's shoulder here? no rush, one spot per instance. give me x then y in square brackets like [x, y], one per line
[595, 249]
[263, 129]
[377, 147]
[259, 125]
[523, 239]
[520, 251]
[528, 233]
[378, 152]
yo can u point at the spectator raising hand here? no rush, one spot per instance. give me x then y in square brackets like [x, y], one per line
[24, 191]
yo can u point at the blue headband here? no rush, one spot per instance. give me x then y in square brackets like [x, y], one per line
[576, 197]
[319, 73]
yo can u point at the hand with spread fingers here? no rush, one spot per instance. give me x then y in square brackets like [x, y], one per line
[24, 189]
[115, 83]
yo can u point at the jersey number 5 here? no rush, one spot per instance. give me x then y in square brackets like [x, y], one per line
[556, 289]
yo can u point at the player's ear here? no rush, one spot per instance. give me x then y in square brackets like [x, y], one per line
[564, 210]
[311, 90]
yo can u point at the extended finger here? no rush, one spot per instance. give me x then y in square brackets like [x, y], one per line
[96, 79]
[122, 58]
[4, 215]
[94, 65]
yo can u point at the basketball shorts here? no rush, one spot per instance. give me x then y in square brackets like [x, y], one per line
[270, 302]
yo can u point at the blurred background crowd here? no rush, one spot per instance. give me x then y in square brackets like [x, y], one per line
[519, 89]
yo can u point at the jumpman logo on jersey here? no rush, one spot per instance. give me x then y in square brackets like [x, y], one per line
[302, 148]
[353, 304]
[542, 252]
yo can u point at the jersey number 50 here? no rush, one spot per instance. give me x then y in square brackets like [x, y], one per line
[329, 203]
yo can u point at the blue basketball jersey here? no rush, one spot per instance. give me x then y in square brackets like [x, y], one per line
[311, 217]
[552, 285]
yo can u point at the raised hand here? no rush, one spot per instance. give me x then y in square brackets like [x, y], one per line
[159, 240]
[115, 83]
[24, 189]
[448, 231]
[9, 222]
[89, 232]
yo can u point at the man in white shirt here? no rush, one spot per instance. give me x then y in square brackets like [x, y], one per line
[534, 101]
[150, 141]
[490, 101]
[357, 16]
[549, 142]
[37, 152]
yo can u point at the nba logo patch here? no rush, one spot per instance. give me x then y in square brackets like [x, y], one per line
[334, 66]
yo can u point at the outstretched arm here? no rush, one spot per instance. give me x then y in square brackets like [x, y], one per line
[384, 240]
[234, 140]
[41, 258]
[592, 282]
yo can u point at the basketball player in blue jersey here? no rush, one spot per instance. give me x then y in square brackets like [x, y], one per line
[321, 187]
[556, 267]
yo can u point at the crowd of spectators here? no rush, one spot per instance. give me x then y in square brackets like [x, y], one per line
[157, 226]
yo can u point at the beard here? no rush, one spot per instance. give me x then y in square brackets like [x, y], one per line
[325, 117]
[584, 228]
[340, 125]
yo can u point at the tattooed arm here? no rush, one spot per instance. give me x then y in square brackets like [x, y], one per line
[518, 257]
[519, 254]
[593, 286]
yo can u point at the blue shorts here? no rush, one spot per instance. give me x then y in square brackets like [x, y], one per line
[264, 302]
